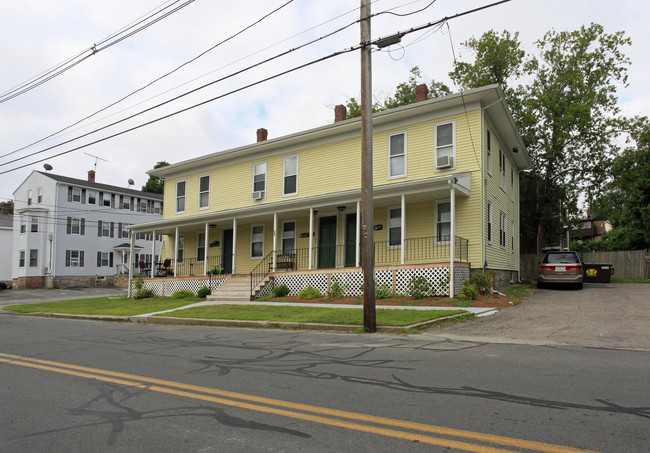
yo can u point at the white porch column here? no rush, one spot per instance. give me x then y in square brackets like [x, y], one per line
[234, 246]
[357, 244]
[205, 248]
[275, 240]
[131, 247]
[452, 239]
[311, 236]
[153, 253]
[176, 251]
[403, 228]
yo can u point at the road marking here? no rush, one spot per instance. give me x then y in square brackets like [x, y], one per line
[314, 414]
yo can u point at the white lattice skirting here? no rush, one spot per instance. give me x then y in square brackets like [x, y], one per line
[165, 288]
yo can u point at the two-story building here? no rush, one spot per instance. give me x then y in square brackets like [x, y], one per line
[71, 232]
[287, 210]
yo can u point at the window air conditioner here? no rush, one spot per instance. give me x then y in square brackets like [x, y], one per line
[258, 195]
[444, 162]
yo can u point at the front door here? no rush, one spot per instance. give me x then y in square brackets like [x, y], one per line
[327, 242]
[351, 240]
[226, 250]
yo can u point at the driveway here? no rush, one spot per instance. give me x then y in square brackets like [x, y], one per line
[613, 316]
[31, 296]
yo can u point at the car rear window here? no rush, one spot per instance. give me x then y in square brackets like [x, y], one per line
[561, 257]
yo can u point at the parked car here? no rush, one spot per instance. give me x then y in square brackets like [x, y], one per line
[560, 267]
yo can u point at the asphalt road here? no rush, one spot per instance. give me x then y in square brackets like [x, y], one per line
[71, 385]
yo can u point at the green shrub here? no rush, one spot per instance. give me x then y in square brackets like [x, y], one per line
[337, 290]
[183, 294]
[418, 287]
[482, 281]
[469, 291]
[140, 291]
[281, 291]
[309, 293]
[383, 291]
[203, 292]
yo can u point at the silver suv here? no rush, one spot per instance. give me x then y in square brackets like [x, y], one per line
[560, 268]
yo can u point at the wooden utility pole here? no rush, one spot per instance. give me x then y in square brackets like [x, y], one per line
[367, 203]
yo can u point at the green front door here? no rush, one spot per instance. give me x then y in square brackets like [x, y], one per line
[351, 240]
[226, 250]
[327, 242]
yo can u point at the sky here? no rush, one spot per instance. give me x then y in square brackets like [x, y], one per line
[38, 35]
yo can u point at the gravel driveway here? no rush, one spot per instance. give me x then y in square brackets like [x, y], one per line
[615, 315]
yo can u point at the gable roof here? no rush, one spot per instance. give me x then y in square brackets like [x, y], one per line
[101, 187]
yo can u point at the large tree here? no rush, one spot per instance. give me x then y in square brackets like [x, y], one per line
[155, 184]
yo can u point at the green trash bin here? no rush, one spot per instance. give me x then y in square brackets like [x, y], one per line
[598, 273]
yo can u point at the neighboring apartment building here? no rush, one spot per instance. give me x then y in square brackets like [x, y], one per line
[446, 176]
[6, 241]
[73, 233]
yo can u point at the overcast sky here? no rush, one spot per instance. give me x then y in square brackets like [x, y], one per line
[37, 35]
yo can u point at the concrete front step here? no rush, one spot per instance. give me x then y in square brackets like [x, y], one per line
[235, 288]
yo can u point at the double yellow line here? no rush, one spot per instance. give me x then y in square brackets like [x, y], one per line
[350, 420]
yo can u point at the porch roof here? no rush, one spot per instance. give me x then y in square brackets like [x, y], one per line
[384, 195]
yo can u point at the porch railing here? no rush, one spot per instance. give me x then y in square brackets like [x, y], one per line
[192, 266]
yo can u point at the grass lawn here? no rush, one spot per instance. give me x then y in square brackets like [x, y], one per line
[351, 316]
[102, 306]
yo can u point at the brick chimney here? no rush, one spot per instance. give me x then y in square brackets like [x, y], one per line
[262, 134]
[340, 113]
[91, 175]
[421, 93]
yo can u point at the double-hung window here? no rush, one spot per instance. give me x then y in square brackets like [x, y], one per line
[74, 258]
[75, 226]
[34, 224]
[200, 247]
[502, 169]
[502, 230]
[180, 250]
[204, 192]
[257, 241]
[445, 145]
[23, 227]
[259, 180]
[489, 222]
[76, 194]
[489, 152]
[29, 198]
[397, 155]
[21, 258]
[92, 197]
[443, 222]
[104, 259]
[512, 183]
[394, 227]
[288, 238]
[39, 196]
[290, 176]
[33, 258]
[180, 197]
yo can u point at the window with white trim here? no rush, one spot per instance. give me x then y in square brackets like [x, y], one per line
[257, 241]
[104, 259]
[290, 176]
[76, 226]
[489, 152]
[445, 145]
[443, 222]
[76, 194]
[502, 230]
[200, 247]
[180, 197]
[512, 235]
[29, 198]
[512, 183]
[204, 192]
[39, 195]
[34, 228]
[92, 197]
[33, 258]
[259, 179]
[489, 222]
[394, 227]
[23, 227]
[288, 237]
[180, 250]
[397, 155]
[21, 258]
[74, 258]
[502, 169]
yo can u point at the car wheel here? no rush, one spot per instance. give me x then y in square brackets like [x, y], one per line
[540, 285]
[579, 286]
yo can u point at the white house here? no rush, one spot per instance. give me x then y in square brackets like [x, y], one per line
[72, 232]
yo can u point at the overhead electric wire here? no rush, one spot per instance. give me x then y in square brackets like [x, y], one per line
[178, 97]
[84, 55]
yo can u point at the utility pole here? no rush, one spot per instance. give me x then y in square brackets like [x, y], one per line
[367, 202]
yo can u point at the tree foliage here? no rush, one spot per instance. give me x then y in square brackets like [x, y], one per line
[155, 184]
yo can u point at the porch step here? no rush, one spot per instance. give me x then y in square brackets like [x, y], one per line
[236, 288]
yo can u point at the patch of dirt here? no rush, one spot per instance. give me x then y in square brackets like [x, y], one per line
[492, 301]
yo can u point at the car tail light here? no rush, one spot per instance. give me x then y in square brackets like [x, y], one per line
[546, 268]
[574, 268]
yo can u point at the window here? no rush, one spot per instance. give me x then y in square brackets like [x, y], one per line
[489, 152]
[104, 259]
[288, 238]
[204, 192]
[157, 207]
[180, 251]
[512, 235]
[34, 224]
[445, 146]
[200, 247]
[74, 258]
[257, 241]
[23, 228]
[21, 258]
[145, 206]
[443, 222]
[75, 226]
[394, 227]
[502, 230]
[33, 258]
[76, 194]
[397, 155]
[512, 183]
[39, 195]
[125, 202]
[259, 178]
[489, 222]
[290, 179]
[29, 198]
[92, 197]
[180, 197]
[502, 168]
[105, 229]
